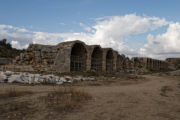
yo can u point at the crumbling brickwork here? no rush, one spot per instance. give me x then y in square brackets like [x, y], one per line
[40, 57]
[77, 56]
[174, 61]
[150, 64]
[4, 61]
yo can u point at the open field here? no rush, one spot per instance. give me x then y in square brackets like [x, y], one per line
[147, 97]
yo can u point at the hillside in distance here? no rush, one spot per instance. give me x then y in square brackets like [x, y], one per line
[6, 50]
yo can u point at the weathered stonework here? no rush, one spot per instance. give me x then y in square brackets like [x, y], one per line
[40, 57]
[77, 56]
[4, 61]
[175, 62]
[150, 64]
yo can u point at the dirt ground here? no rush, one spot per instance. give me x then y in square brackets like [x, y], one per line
[147, 97]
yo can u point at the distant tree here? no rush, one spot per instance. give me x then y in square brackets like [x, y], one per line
[3, 43]
[9, 46]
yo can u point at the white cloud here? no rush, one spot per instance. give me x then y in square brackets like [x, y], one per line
[46, 38]
[163, 45]
[22, 30]
[19, 37]
[15, 44]
[87, 28]
[112, 31]
[8, 27]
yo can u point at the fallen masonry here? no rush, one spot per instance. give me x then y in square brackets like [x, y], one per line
[77, 56]
[28, 78]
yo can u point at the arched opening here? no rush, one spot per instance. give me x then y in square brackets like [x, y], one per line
[119, 63]
[109, 61]
[148, 63]
[78, 57]
[126, 64]
[96, 59]
[136, 62]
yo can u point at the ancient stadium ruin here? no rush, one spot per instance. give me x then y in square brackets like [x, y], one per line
[77, 56]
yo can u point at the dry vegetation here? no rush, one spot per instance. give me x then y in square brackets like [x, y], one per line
[57, 101]
[12, 92]
[127, 97]
[65, 99]
[164, 90]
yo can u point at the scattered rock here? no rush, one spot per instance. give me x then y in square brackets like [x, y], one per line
[28, 78]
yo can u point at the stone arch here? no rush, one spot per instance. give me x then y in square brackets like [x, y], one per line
[126, 64]
[96, 59]
[150, 63]
[136, 62]
[78, 58]
[119, 63]
[109, 61]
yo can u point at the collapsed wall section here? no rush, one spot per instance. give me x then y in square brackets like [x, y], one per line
[4, 61]
[40, 57]
[175, 62]
[152, 64]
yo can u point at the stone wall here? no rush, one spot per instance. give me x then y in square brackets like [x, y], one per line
[40, 57]
[175, 62]
[77, 56]
[4, 61]
[150, 64]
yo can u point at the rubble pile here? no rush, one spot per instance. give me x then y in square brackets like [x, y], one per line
[28, 78]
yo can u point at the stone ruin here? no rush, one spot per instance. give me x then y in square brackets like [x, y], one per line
[174, 62]
[77, 56]
[150, 64]
[4, 61]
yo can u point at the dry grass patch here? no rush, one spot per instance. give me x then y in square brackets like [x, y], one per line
[16, 110]
[164, 90]
[65, 99]
[12, 92]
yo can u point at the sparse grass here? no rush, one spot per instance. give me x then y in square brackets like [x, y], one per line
[179, 85]
[16, 110]
[164, 90]
[12, 92]
[65, 99]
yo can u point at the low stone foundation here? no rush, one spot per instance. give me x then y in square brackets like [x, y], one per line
[5, 61]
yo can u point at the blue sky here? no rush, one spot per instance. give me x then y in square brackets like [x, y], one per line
[74, 16]
[65, 15]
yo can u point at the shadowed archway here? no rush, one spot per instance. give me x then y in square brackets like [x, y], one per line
[119, 63]
[96, 59]
[78, 57]
[109, 61]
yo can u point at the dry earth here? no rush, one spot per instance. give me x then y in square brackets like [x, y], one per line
[148, 97]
